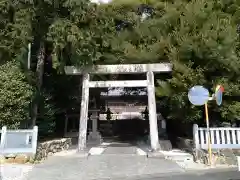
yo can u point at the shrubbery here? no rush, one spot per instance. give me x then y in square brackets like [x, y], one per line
[15, 96]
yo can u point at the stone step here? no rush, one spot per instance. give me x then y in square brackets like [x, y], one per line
[180, 158]
[155, 155]
[178, 155]
[117, 148]
[165, 144]
[120, 150]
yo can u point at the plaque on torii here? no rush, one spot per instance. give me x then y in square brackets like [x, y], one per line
[148, 69]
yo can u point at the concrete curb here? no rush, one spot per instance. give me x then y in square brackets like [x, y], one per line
[155, 155]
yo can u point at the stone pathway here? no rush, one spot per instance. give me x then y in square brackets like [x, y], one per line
[72, 166]
[104, 167]
[113, 147]
[109, 161]
[179, 157]
[120, 148]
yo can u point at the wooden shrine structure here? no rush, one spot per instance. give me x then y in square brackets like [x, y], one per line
[149, 69]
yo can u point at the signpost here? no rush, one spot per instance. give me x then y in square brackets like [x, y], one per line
[198, 96]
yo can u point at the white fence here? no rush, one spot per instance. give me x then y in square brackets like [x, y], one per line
[221, 137]
[23, 141]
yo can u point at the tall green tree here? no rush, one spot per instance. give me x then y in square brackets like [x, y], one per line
[203, 51]
[198, 37]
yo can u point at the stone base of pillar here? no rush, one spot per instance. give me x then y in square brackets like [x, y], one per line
[162, 134]
[94, 138]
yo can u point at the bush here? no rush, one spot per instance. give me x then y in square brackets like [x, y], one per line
[15, 96]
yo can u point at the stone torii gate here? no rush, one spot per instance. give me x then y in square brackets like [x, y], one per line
[149, 69]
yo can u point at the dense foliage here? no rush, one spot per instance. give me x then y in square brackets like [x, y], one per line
[199, 37]
[15, 95]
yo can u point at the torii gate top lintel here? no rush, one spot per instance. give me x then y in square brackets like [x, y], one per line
[119, 69]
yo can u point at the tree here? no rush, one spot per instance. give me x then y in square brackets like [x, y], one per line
[81, 37]
[198, 37]
[203, 52]
[15, 96]
[15, 26]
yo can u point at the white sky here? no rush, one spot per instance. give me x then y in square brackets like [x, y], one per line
[100, 1]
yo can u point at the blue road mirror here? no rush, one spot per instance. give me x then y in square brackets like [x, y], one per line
[198, 95]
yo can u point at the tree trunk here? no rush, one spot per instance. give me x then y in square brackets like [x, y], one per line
[39, 81]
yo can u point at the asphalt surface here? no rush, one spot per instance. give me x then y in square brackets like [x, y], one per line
[114, 169]
[103, 167]
[223, 174]
[125, 164]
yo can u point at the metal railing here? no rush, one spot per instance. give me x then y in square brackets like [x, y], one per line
[220, 137]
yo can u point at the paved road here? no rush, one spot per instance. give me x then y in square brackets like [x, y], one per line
[111, 167]
[100, 167]
[227, 174]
